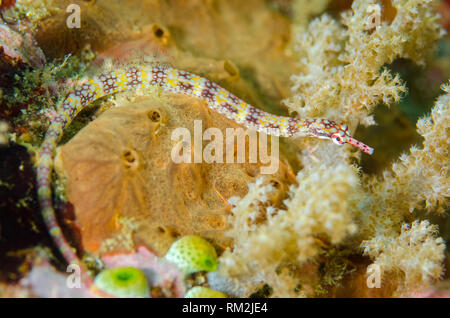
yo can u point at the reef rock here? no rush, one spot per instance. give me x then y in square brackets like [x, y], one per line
[127, 190]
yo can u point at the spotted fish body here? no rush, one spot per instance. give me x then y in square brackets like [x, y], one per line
[171, 80]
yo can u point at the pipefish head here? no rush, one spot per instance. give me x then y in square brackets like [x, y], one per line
[337, 132]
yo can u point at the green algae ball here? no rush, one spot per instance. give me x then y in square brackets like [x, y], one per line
[193, 254]
[123, 282]
[203, 292]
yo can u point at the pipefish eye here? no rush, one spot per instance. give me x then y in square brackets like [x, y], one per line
[337, 139]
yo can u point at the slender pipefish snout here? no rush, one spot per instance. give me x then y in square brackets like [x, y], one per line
[331, 130]
[360, 145]
[341, 138]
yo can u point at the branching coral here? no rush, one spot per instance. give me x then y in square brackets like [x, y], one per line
[329, 201]
[291, 234]
[419, 180]
[416, 252]
[304, 218]
[343, 78]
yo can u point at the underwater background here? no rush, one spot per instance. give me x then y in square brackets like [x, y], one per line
[325, 224]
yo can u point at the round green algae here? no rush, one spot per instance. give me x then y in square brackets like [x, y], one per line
[204, 292]
[123, 282]
[193, 254]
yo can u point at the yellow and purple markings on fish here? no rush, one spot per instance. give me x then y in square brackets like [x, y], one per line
[176, 81]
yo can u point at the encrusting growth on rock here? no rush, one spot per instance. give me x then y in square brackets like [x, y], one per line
[175, 81]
